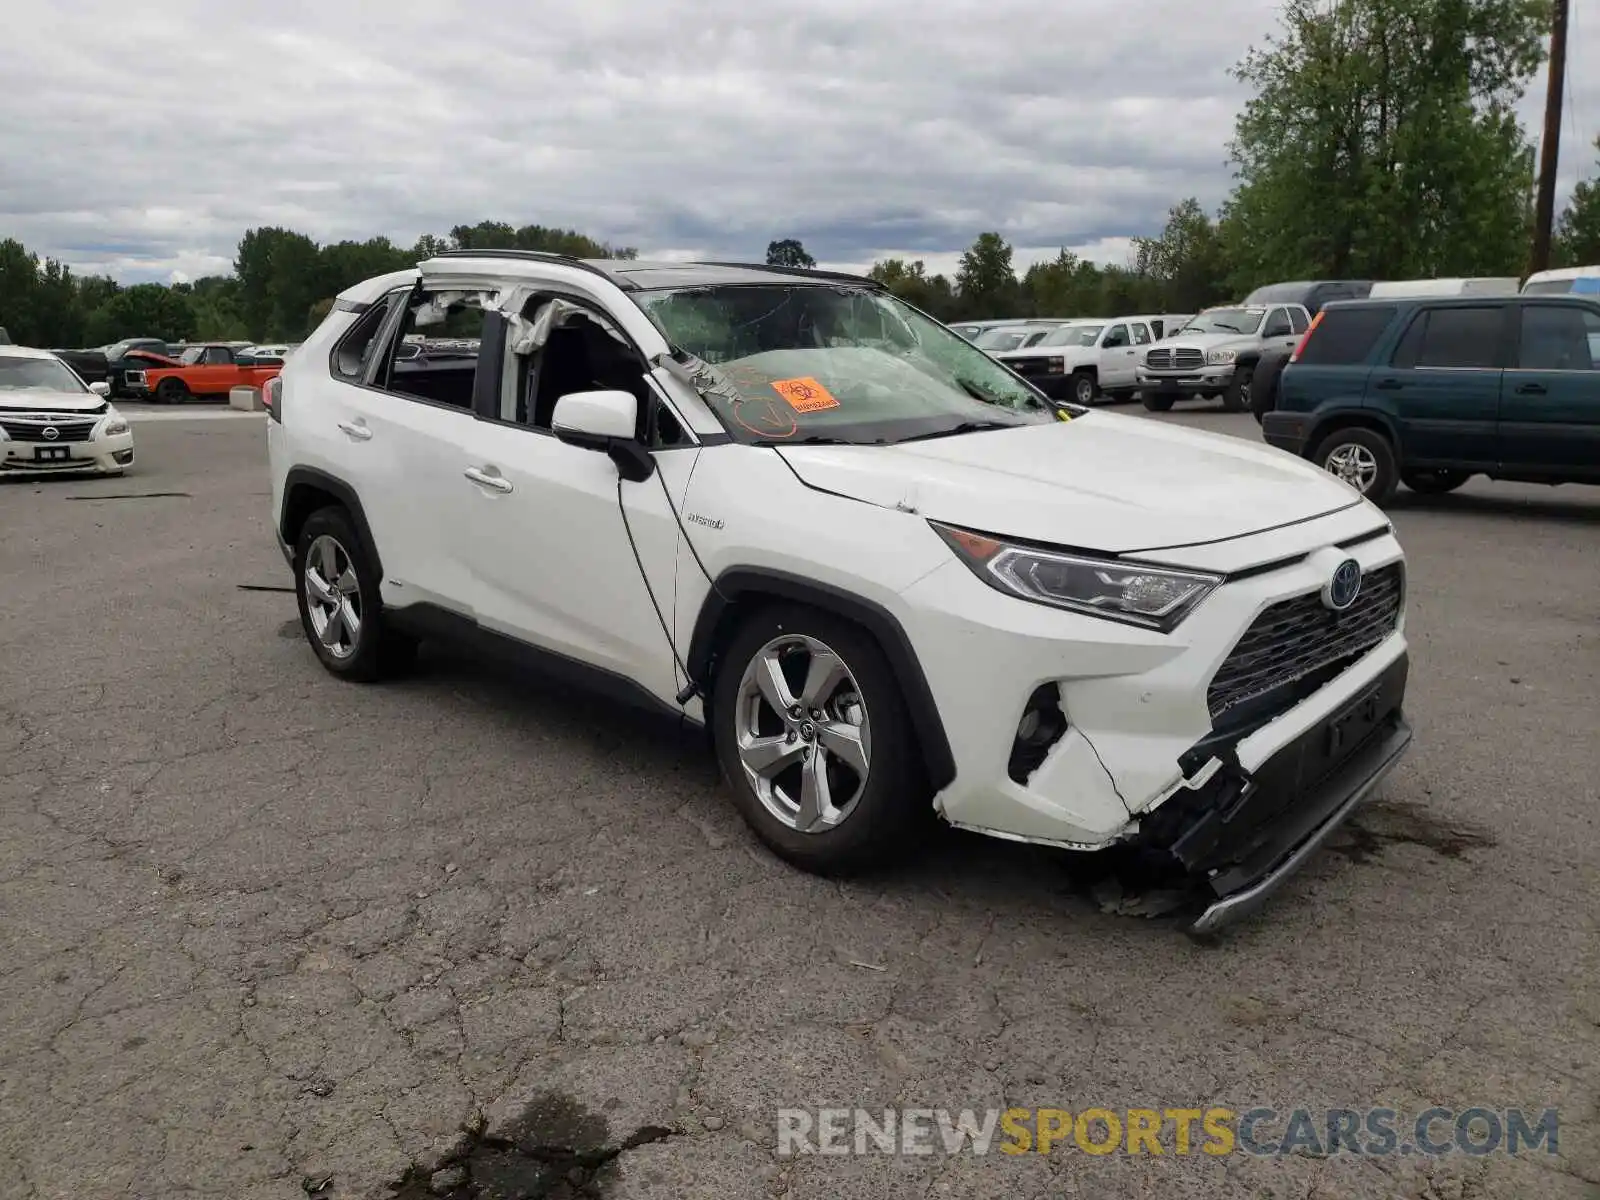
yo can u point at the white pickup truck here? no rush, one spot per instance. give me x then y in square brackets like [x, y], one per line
[1085, 359]
[1216, 353]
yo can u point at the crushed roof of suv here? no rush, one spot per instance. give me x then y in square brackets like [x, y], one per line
[644, 275]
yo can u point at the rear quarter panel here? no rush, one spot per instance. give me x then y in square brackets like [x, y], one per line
[1319, 389]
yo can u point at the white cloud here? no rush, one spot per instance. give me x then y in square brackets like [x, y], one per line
[144, 140]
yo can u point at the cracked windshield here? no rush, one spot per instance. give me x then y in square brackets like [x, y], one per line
[784, 364]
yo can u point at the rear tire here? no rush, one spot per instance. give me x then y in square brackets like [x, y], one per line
[1363, 458]
[172, 391]
[1159, 401]
[341, 610]
[1429, 482]
[796, 776]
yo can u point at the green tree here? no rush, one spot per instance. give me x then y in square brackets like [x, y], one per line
[788, 252]
[1578, 231]
[1187, 263]
[147, 310]
[278, 281]
[912, 283]
[19, 287]
[985, 280]
[498, 235]
[1382, 142]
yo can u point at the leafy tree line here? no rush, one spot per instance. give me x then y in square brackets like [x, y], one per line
[282, 284]
[1381, 142]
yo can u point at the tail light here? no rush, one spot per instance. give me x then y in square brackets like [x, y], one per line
[1310, 329]
[272, 397]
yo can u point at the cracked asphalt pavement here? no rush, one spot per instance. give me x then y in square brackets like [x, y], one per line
[267, 934]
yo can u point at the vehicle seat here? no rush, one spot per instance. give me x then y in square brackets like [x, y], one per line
[563, 368]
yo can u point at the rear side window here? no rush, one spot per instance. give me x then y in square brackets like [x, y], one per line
[353, 352]
[1346, 336]
[1297, 320]
[1463, 338]
[1558, 339]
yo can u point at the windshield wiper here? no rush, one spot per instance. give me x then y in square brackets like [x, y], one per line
[963, 427]
[815, 439]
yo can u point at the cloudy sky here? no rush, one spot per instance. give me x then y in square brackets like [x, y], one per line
[143, 139]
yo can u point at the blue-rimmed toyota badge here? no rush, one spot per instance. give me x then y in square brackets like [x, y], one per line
[1343, 586]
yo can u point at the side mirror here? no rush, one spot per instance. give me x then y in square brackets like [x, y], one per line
[101, 388]
[606, 421]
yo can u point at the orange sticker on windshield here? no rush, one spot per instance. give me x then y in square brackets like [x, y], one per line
[805, 394]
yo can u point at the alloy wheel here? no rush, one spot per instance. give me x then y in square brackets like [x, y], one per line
[802, 733]
[333, 596]
[1355, 464]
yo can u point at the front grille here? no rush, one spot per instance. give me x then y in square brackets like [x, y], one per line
[1029, 366]
[1299, 639]
[1168, 359]
[75, 430]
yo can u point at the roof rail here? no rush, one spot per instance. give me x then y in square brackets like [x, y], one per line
[843, 276]
[566, 260]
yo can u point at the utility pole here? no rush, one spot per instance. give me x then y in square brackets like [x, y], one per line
[1550, 144]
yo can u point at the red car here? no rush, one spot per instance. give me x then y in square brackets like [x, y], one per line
[211, 370]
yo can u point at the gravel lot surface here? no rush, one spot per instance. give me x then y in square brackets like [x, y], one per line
[268, 934]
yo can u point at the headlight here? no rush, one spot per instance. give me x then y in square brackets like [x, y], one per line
[114, 427]
[1154, 597]
[1055, 366]
[1220, 358]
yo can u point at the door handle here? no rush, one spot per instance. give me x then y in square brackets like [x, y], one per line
[360, 432]
[1532, 389]
[1389, 385]
[498, 482]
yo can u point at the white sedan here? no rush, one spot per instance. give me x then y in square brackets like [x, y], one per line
[51, 422]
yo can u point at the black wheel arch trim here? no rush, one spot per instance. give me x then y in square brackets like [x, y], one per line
[1323, 424]
[891, 637]
[346, 495]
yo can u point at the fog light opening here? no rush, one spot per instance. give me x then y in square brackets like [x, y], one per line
[122, 457]
[1040, 727]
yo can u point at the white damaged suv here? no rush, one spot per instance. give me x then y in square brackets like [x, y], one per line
[892, 578]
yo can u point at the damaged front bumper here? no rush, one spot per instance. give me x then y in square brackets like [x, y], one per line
[1246, 833]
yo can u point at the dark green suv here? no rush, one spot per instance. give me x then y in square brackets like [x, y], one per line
[1429, 392]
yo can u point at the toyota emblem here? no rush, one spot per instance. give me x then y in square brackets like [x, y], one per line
[1343, 586]
[51, 433]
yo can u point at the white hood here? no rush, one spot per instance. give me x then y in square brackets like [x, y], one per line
[13, 400]
[1099, 482]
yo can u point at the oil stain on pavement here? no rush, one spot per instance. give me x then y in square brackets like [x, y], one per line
[553, 1150]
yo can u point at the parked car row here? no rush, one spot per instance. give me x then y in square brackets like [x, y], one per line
[1088, 359]
[208, 370]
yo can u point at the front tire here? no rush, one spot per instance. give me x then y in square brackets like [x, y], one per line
[1084, 388]
[813, 737]
[341, 610]
[172, 391]
[1237, 396]
[1427, 482]
[1264, 383]
[1363, 458]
